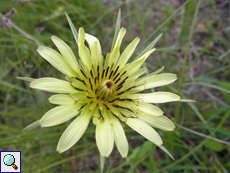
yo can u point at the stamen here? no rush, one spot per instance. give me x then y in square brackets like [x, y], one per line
[120, 84]
[119, 118]
[91, 86]
[126, 109]
[120, 93]
[116, 106]
[110, 74]
[91, 73]
[83, 74]
[95, 80]
[123, 73]
[124, 80]
[116, 76]
[106, 106]
[122, 99]
[102, 74]
[113, 100]
[116, 70]
[84, 82]
[119, 87]
[98, 75]
[124, 115]
[80, 80]
[130, 88]
[82, 107]
[76, 87]
[106, 71]
[117, 80]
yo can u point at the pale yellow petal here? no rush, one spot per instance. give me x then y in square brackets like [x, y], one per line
[104, 137]
[52, 85]
[91, 41]
[84, 52]
[145, 130]
[115, 53]
[159, 97]
[61, 99]
[66, 52]
[119, 136]
[160, 122]
[59, 115]
[126, 54]
[73, 133]
[56, 60]
[157, 80]
[135, 65]
[149, 109]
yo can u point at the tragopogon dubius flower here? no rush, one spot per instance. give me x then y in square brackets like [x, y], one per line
[104, 90]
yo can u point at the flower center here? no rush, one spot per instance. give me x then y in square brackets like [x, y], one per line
[109, 84]
[105, 90]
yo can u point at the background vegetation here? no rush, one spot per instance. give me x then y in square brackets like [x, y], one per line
[195, 45]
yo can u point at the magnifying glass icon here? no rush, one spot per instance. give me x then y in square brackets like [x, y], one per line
[9, 160]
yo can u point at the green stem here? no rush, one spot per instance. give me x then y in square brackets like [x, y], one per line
[186, 58]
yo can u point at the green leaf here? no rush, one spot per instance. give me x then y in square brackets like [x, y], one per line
[139, 151]
[209, 85]
[190, 7]
[118, 27]
[149, 47]
[27, 79]
[187, 100]
[165, 150]
[73, 29]
[225, 85]
[102, 163]
[214, 145]
[32, 125]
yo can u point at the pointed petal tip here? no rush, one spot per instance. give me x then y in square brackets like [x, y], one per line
[39, 48]
[58, 149]
[53, 37]
[124, 156]
[32, 125]
[102, 162]
[81, 29]
[61, 150]
[123, 29]
[187, 100]
[166, 151]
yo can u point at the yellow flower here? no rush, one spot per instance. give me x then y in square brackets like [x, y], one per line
[104, 90]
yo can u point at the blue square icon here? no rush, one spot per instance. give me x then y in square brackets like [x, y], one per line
[10, 161]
